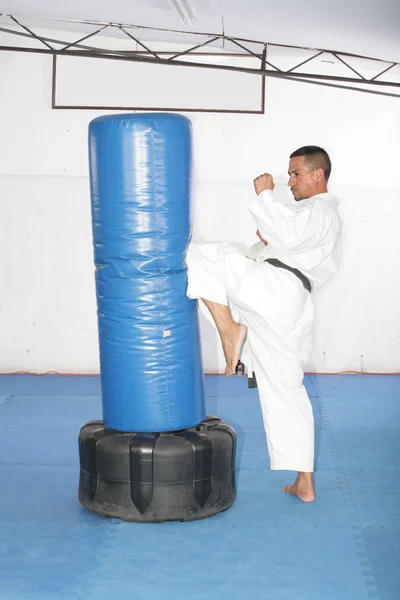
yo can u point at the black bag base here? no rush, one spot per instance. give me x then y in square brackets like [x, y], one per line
[155, 477]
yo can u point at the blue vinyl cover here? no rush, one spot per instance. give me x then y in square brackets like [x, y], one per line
[150, 361]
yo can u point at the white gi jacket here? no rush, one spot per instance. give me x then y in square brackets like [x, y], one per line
[305, 236]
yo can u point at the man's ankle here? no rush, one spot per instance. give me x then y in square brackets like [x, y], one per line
[305, 477]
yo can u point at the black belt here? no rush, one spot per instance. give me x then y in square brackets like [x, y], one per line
[275, 262]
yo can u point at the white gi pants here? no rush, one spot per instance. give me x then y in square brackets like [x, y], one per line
[278, 313]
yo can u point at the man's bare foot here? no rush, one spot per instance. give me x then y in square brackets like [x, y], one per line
[232, 344]
[303, 487]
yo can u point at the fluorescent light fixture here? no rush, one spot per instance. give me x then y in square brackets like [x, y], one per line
[183, 11]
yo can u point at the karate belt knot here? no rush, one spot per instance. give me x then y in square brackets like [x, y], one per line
[275, 262]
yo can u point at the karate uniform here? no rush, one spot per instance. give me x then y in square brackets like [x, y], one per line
[276, 308]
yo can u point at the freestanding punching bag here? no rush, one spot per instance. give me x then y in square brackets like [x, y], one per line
[155, 456]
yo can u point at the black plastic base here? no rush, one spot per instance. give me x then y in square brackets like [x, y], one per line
[156, 477]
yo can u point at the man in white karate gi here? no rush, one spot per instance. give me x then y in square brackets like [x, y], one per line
[264, 299]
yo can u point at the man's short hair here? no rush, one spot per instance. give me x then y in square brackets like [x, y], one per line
[316, 157]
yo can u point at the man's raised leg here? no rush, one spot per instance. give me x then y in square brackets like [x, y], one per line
[232, 334]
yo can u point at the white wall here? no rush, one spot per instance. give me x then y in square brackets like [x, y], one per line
[47, 296]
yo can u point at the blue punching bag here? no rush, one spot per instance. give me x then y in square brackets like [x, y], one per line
[155, 456]
[150, 362]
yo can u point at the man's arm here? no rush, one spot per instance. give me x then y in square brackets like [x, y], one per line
[280, 224]
[263, 182]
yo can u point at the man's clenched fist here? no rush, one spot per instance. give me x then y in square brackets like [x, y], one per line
[263, 182]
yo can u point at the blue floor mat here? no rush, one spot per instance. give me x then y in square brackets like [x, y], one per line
[43, 385]
[268, 546]
[383, 548]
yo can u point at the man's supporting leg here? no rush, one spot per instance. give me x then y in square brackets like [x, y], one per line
[287, 412]
[232, 334]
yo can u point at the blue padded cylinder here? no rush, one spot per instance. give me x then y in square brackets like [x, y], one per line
[150, 362]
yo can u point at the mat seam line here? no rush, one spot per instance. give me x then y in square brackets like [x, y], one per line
[347, 498]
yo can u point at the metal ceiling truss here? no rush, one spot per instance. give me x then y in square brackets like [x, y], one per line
[143, 53]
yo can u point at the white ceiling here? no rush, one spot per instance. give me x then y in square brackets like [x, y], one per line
[367, 27]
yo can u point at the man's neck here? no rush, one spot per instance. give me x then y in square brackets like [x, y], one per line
[322, 190]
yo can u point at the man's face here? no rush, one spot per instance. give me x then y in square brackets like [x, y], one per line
[304, 181]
